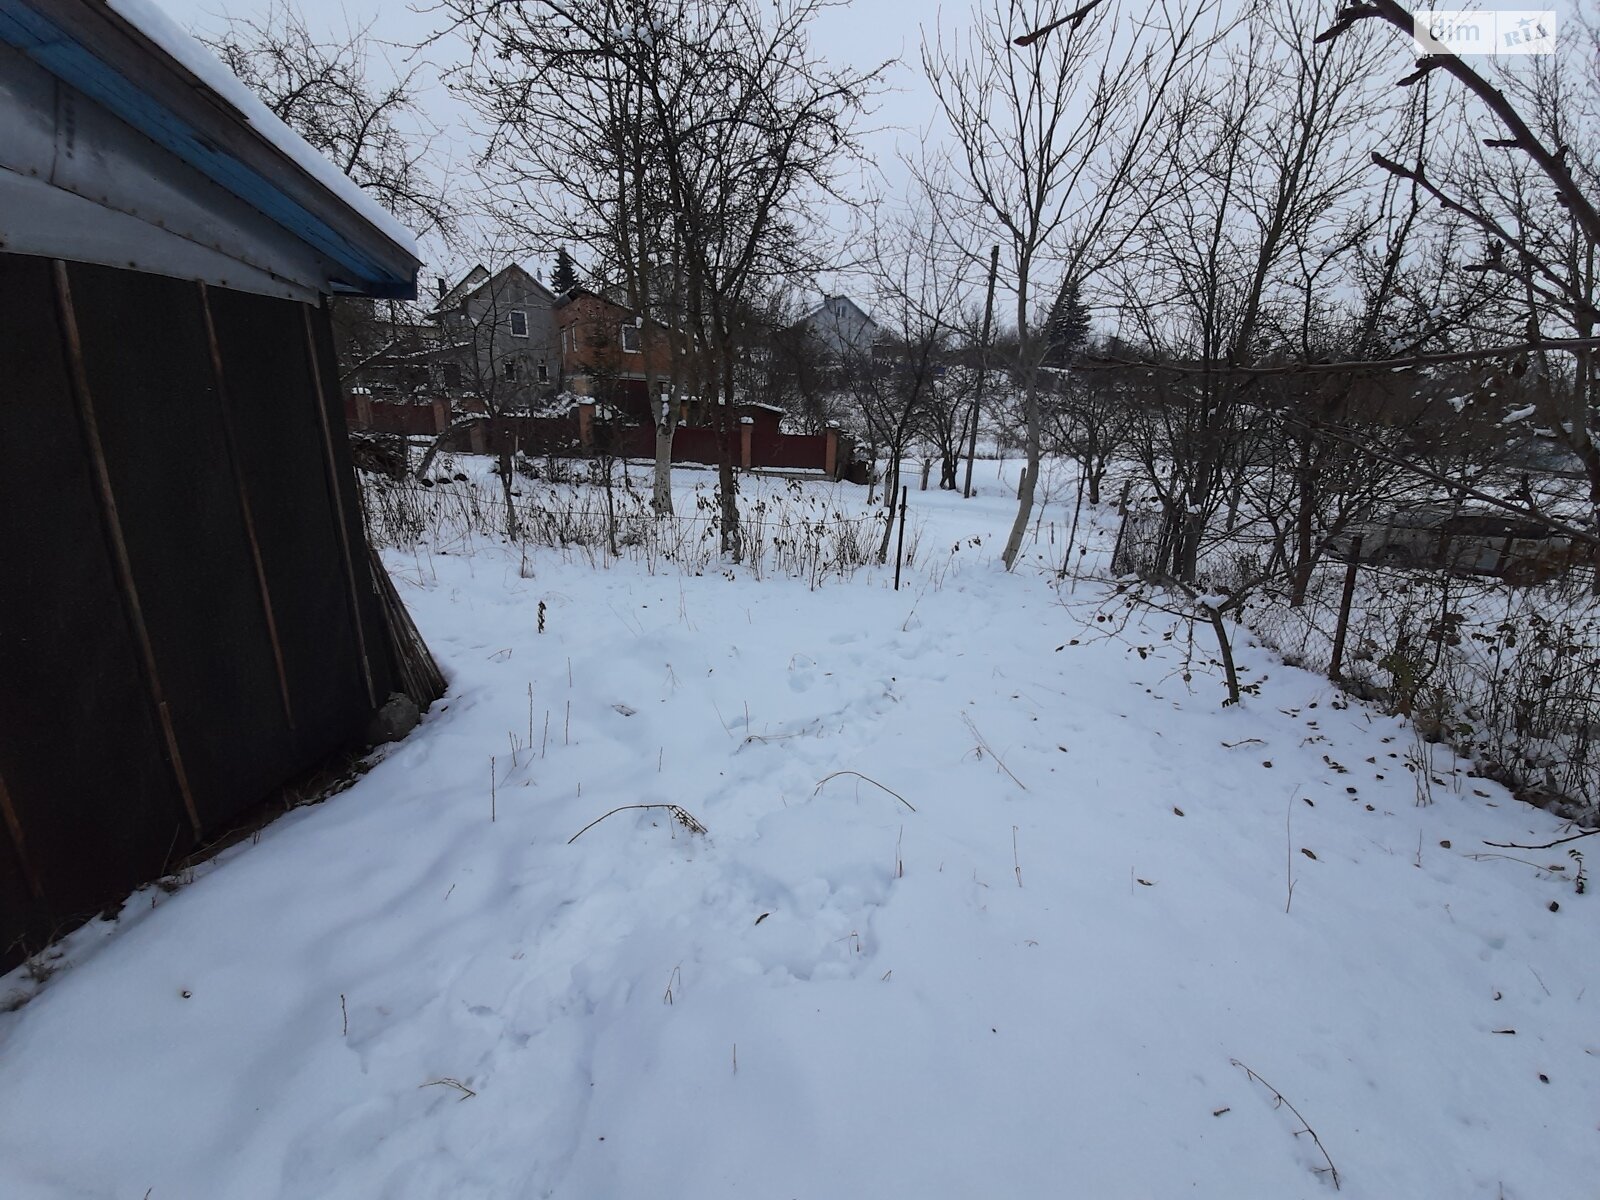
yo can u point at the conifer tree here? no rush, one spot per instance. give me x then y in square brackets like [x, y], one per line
[1067, 328]
[565, 276]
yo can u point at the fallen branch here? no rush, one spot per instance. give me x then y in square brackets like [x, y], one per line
[1544, 846]
[870, 780]
[466, 1092]
[681, 815]
[1278, 1098]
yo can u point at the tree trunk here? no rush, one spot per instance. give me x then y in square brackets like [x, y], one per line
[504, 468]
[661, 487]
[1226, 649]
[1030, 479]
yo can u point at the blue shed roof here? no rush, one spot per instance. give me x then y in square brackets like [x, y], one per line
[111, 61]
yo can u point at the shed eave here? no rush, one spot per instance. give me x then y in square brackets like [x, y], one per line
[367, 261]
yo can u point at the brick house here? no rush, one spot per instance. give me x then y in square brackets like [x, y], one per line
[602, 351]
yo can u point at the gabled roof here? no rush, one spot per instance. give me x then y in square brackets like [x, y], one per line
[478, 279]
[827, 306]
[580, 293]
[174, 157]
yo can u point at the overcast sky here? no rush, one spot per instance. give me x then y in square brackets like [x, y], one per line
[862, 34]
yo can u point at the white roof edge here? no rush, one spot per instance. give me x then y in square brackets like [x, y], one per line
[166, 33]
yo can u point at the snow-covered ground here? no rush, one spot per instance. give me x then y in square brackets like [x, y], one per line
[1028, 948]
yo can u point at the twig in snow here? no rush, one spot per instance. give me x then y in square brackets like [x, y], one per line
[1278, 1098]
[680, 815]
[870, 780]
[985, 745]
[676, 974]
[1511, 858]
[1546, 845]
[345, 1014]
[764, 738]
[1288, 849]
[1016, 862]
[465, 1091]
[491, 790]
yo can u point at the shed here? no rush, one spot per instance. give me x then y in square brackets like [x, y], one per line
[190, 614]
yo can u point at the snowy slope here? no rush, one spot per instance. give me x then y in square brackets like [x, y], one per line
[1035, 984]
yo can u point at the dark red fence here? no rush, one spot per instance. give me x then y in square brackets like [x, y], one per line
[389, 416]
[758, 443]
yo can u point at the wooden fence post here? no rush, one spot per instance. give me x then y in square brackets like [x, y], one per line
[1343, 627]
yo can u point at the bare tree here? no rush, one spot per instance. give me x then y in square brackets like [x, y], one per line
[335, 93]
[1050, 134]
[1530, 186]
[693, 140]
[1089, 420]
[1272, 164]
[578, 96]
[917, 282]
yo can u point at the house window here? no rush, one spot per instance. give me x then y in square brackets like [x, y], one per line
[508, 370]
[544, 371]
[630, 339]
[452, 375]
[519, 323]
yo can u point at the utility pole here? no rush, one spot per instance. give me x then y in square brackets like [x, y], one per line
[983, 370]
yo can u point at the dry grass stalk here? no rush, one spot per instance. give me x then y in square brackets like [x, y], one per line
[679, 814]
[870, 780]
[984, 746]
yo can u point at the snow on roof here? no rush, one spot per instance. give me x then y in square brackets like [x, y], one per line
[205, 66]
[827, 304]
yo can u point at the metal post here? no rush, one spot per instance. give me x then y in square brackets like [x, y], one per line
[900, 539]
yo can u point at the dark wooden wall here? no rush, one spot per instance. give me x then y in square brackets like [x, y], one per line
[187, 619]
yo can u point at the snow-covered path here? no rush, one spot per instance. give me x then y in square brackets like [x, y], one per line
[1035, 984]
